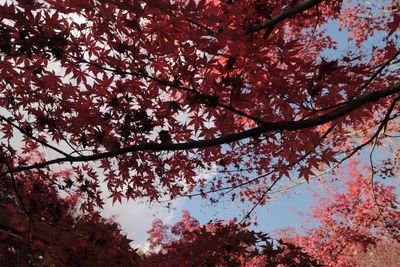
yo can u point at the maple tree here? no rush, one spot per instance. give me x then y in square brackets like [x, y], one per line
[218, 244]
[39, 228]
[357, 226]
[147, 96]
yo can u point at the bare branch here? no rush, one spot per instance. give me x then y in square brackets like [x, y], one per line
[31, 136]
[287, 13]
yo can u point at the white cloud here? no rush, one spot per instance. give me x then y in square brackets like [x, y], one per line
[135, 218]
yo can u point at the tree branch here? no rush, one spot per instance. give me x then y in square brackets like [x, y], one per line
[266, 127]
[287, 13]
[31, 136]
[261, 198]
[208, 99]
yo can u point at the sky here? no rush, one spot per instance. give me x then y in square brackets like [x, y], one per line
[135, 218]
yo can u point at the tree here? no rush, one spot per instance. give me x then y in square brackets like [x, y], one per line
[217, 243]
[359, 226]
[146, 96]
[38, 228]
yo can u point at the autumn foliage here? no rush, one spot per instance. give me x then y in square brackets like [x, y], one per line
[359, 226]
[188, 243]
[144, 98]
[41, 228]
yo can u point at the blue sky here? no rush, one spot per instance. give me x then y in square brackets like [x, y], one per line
[278, 213]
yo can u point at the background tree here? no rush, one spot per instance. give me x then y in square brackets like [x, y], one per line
[39, 228]
[217, 243]
[357, 226]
